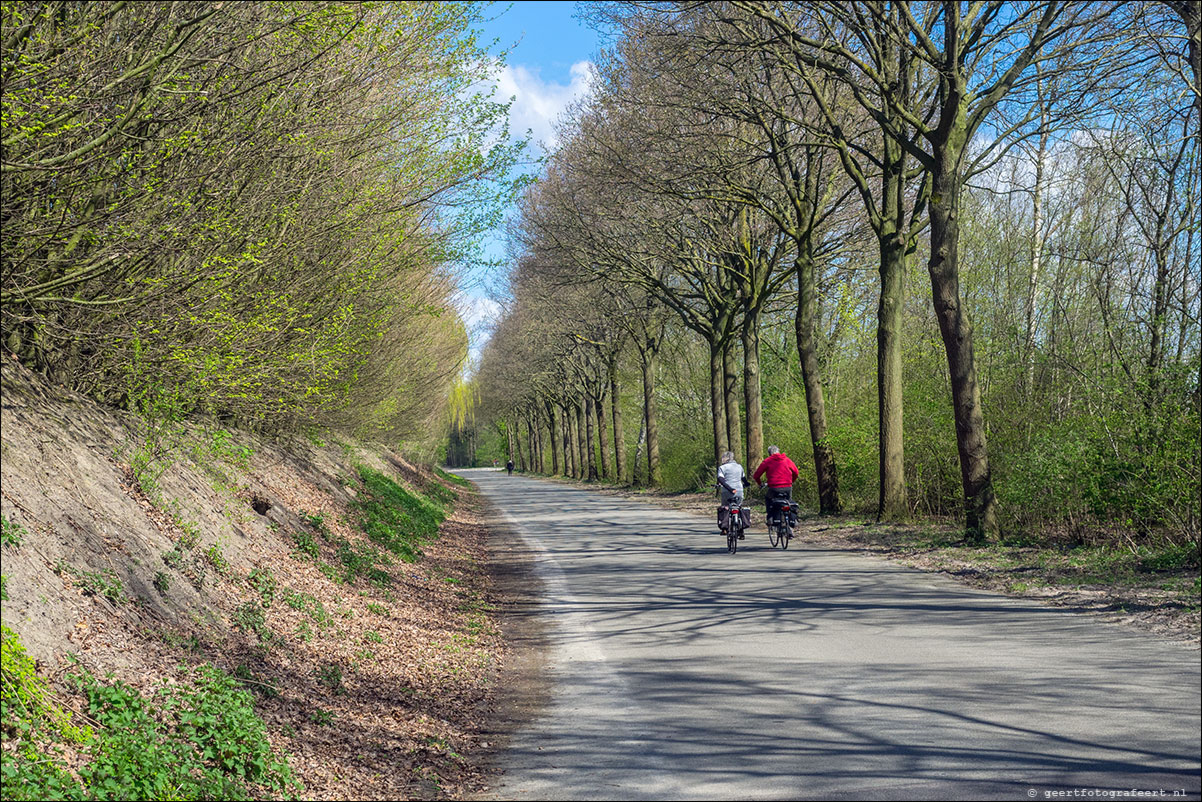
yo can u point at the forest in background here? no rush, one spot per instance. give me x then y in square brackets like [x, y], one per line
[945, 255]
[248, 211]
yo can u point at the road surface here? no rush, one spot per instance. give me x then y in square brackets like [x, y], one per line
[679, 671]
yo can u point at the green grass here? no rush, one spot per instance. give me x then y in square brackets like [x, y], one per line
[452, 478]
[440, 494]
[395, 518]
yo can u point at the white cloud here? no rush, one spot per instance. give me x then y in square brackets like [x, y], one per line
[477, 311]
[479, 315]
[538, 103]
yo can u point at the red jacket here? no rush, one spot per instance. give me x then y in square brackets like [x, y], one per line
[780, 469]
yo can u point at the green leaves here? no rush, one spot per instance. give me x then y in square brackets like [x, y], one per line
[205, 741]
[246, 203]
[198, 739]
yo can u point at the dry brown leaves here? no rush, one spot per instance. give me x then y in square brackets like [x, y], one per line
[381, 702]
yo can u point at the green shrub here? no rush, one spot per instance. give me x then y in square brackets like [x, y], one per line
[205, 742]
[32, 719]
[318, 522]
[250, 617]
[1184, 555]
[329, 675]
[11, 532]
[308, 604]
[26, 703]
[217, 559]
[104, 583]
[197, 740]
[264, 582]
[305, 543]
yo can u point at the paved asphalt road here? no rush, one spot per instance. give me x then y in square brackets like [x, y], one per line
[683, 672]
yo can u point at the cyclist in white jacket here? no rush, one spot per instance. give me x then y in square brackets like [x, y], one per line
[730, 479]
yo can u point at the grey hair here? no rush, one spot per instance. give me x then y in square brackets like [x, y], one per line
[728, 456]
[773, 450]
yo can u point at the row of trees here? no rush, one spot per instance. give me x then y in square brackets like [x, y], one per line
[248, 209]
[753, 187]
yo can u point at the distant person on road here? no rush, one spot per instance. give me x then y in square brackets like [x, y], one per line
[781, 473]
[509, 467]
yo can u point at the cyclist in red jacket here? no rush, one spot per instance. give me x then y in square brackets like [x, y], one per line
[780, 473]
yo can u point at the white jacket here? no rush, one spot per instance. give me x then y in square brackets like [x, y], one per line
[732, 474]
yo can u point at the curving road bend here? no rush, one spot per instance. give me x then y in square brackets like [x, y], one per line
[679, 671]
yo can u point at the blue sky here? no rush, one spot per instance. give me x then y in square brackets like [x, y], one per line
[550, 54]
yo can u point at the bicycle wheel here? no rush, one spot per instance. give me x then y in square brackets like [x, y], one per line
[786, 532]
[732, 540]
[773, 535]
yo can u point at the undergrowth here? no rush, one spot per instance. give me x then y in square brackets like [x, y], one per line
[395, 518]
[199, 739]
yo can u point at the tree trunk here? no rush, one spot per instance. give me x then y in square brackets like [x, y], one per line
[517, 445]
[1160, 308]
[540, 462]
[605, 464]
[730, 392]
[569, 456]
[1191, 14]
[582, 442]
[531, 439]
[892, 504]
[717, 401]
[553, 424]
[752, 399]
[570, 444]
[825, 472]
[892, 241]
[654, 475]
[590, 414]
[637, 471]
[615, 400]
[979, 501]
[1036, 267]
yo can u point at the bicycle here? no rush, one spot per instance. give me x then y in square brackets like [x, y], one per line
[734, 526]
[735, 523]
[780, 523]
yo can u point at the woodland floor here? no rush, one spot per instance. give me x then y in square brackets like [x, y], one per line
[237, 556]
[1164, 602]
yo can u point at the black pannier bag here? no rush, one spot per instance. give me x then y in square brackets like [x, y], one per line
[745, 514]
[723, 516]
